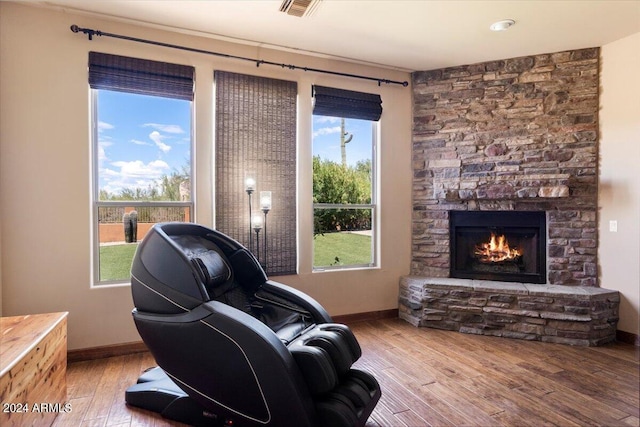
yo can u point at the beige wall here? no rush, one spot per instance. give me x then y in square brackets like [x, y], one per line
[45, 167]
[619, 192]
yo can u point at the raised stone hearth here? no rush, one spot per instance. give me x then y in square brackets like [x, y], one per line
[575, 315]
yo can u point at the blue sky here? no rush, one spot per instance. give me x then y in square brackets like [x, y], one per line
[326, 139]
[140, 139]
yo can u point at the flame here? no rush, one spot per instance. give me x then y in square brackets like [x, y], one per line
[496, 250]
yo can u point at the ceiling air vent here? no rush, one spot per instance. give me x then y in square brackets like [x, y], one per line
[299, 8]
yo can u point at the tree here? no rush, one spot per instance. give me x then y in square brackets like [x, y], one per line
[334, 183]
[170, 185]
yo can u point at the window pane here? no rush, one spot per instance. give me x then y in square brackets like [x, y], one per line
[120, 228]
[144, 147]
[342, 160]
[142, 176]
[342, 237]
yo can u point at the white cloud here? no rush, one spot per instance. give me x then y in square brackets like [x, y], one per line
[104, 141]
[123, 174]
[165, 128]
[102, 155]
[137, 168]
[104, 126]
[138, 142]
[326, 119]
[326, 131]
[156, 137]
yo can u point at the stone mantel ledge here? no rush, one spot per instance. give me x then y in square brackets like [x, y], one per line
[575, 315]
[498, 191]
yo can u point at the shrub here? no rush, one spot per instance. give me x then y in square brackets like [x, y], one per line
[339, 184]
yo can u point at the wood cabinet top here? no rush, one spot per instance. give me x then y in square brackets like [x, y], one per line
[19, 334]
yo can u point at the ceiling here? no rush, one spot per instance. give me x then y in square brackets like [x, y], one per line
[402, 34]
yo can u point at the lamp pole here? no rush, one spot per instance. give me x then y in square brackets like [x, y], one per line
[257, 226]
[265, 205]
[249, 187]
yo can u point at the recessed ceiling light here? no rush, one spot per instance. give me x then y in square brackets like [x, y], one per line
[505, 24]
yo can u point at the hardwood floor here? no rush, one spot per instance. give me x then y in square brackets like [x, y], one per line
[428, 377]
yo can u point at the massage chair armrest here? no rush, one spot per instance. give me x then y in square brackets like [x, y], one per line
[313, 307]
[230, 322]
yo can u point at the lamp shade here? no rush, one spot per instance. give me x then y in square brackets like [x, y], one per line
[256, 222]
[265, 200]
[249, 183]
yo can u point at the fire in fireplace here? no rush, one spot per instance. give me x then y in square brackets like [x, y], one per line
[498, 245]
[496, 250]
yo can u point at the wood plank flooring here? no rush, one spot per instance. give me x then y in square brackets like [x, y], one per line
[428, 378]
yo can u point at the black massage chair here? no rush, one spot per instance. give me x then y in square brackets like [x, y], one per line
[234, 348]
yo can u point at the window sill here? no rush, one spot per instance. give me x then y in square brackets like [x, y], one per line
[343, 269]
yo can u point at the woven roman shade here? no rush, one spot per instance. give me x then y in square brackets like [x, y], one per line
[328, 101]
[141, 76]
[255, 132]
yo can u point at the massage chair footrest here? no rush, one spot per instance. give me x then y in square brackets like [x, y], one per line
[351, 402]
[324, 354]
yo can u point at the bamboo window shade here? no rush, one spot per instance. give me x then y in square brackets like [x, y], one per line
[141, 76]
[329, 101]
[255, 130]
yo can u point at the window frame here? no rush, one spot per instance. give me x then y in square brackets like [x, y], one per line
[96, 204]
[374, 206]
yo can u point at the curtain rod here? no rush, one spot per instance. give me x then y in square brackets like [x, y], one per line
[90, 33]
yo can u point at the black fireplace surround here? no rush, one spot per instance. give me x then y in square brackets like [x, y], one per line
[507, 246]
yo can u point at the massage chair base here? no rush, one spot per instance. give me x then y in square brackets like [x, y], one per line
[350, 405]
[156, 392]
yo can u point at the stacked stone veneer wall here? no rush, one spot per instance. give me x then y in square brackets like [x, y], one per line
[560, 314]
[515, 134]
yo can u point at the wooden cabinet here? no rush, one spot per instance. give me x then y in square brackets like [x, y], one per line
[33, 367]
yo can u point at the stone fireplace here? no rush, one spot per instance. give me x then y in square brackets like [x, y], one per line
[515, 136]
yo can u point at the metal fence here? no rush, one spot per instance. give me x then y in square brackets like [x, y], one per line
[114, 214]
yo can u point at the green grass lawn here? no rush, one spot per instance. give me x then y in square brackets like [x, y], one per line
[115, 261]
[348, 248]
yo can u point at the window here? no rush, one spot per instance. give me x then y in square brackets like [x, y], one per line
[344, 177]
[142, 156]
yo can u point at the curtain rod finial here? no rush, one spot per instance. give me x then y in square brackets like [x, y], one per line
[90, 33]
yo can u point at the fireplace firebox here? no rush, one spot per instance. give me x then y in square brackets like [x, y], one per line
[507, 246]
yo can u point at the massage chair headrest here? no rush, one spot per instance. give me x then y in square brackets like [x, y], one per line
[214, 271]
[181, 265]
